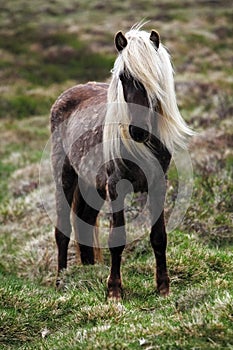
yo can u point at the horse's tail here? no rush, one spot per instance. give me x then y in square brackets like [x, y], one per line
[97, 250]
[75, 224]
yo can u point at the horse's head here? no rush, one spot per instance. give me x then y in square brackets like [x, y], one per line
[135, 95]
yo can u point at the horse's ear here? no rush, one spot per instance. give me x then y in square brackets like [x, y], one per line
[154, 37]
[120, 41]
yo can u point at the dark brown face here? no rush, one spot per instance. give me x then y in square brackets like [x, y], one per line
[136, 97]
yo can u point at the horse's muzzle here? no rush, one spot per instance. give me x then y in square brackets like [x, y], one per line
[138, 134]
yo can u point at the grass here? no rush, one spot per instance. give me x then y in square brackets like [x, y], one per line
[198, 313]
[45, 49]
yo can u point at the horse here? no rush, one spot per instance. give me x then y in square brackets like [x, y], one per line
[131, 126]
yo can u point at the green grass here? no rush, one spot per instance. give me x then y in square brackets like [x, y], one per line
[198, 313]
[22, 105]
[46, 47]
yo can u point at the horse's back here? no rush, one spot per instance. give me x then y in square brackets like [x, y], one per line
[78, 97]
[77, 119]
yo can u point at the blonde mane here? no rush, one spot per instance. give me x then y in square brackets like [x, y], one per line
[152, 67]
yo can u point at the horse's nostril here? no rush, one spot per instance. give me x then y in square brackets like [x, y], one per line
[138, 134]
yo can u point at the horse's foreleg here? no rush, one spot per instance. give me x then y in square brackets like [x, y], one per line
[117, 239]
[158, 238]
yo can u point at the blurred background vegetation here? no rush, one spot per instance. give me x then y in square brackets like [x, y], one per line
[48, 46]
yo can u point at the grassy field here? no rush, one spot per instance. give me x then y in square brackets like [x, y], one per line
[46, 47]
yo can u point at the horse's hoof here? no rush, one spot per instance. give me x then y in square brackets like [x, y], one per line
[114, 289]
[59, 284]
[114, 296]
[163, 286]
[163, 291]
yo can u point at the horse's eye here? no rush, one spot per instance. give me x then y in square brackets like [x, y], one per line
[138, 85]
[123, 77]
[127, 79]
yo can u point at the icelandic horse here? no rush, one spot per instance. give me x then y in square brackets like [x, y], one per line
[133, 125]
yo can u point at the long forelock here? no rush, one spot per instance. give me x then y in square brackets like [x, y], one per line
[143, 62]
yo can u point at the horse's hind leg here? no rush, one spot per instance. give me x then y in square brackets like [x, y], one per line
[85, 221]
[158, 238]
[65, 185]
